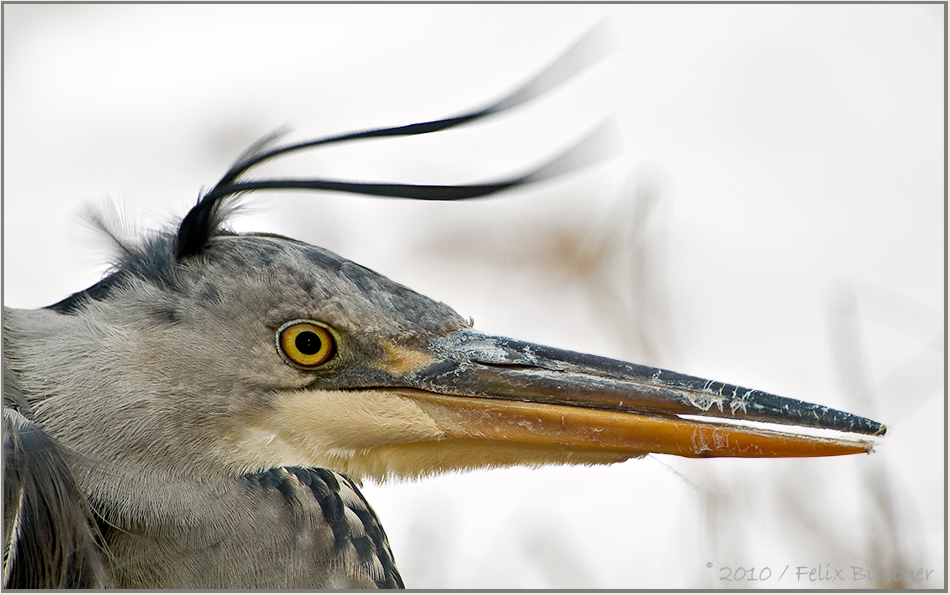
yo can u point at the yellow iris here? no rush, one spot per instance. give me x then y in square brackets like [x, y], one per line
[305, 343]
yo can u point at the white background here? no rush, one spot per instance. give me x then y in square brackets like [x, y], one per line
[776, 220]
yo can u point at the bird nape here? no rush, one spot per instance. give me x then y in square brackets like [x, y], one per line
[202, 416]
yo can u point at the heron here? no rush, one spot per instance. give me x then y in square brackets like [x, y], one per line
[203, 416]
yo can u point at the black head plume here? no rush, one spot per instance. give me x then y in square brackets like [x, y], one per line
[205, 219]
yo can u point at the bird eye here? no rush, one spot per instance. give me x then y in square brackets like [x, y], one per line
[305, 343]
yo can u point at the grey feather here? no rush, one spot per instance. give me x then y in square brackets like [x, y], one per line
[51, 539]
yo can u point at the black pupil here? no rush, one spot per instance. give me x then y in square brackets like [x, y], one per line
[308, 342]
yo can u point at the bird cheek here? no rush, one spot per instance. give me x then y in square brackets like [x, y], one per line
[319, 427]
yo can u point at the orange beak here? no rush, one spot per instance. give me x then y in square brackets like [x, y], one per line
[482, 387]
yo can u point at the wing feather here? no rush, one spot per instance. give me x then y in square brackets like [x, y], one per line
[50, 532]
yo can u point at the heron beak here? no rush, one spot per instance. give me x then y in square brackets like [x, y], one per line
[477, 386]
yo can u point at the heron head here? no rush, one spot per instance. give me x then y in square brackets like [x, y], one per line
[214, 353]
[255, 351]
